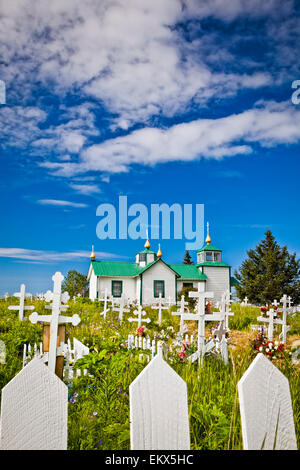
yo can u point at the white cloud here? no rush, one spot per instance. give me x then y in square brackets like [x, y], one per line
[57, 202]
[268, 124]
[51, 256]
[86, 188]
[128, 54]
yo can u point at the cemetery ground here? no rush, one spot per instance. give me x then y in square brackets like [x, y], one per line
[98, 406]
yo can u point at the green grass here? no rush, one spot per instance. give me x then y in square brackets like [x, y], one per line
[98, 416]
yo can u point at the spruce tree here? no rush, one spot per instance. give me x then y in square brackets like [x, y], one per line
[269, 272]
[75, 283]
[187, 258]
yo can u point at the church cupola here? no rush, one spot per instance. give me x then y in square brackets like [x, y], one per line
[209, 253]
[146, 256]
[159, 253]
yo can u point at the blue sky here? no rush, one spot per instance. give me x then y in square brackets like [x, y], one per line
[183, 102]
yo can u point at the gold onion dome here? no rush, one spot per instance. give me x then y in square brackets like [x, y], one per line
[93, 255]
[159, 253]
[208, 239]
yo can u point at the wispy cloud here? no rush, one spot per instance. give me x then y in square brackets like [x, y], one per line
[57, 202]
[268, 123]
[39, 256]
[86, 189]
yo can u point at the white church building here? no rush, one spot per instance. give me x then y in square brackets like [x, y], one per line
[149, 276]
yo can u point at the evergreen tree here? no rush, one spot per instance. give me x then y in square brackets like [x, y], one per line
[269, 272]
[75, 283]
[187, 258]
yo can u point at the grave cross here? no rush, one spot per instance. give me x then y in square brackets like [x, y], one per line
[105, 300]
[284, 300]
[182, 314]
[271, 322]
[139, 312]
[121, 309]
[201, 297]
[21, 307]
[160, 307]
[225, 308]
[55, 318]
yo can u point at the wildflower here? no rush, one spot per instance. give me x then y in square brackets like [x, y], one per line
[95, 413]
[72, 400]
[100, 443]
[75, 394]
[140, 330]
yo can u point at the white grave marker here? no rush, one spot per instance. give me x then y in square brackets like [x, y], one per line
[266, 408]
[34, 410]
[22, 295]
[159, 408]
[121, 309]
[181, 313]
[140, 313]
[105, 300]
[55, 319]
[2, 352]
[160, 307]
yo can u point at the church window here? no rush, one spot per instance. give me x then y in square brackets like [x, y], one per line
[209, 256]
[142, 257]
[188, 284]
[217, 256]
[159, 288]
[116, 288]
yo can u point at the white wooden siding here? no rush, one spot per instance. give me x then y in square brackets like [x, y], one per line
[158, 272]
[218, 280]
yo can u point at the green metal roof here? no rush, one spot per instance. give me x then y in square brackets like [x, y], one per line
[122, 268]
[214, 263]
[208, 248]
[115, 268]
[188, 271]
[146, 250]
[234, 281]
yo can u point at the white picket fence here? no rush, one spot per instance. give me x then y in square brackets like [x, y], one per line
[71, 355]
[34, 403]
[34, 409]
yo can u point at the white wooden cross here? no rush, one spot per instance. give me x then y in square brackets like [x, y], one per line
[140, 313]
[21, 307]
[285, 328]
[245, 301]
[271, 321]
[224, 308]
[2, 352]
[201, 297]
[221, 342]
[105, 300]
[181, 313]
[121, 309]
[55, 318]
[160, 307]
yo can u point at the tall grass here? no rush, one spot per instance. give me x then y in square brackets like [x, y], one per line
[98, 416]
